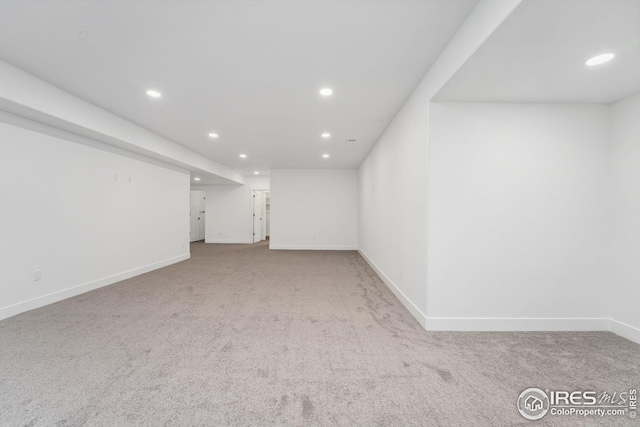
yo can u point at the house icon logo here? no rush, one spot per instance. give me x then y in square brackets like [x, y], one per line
[533, 403]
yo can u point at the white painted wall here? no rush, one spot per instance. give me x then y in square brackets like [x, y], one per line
[518, 215]
[393, 178]
[392, 226]
[229, 210]
[258, 183]
[624, 286]
[228, 214]
[314, 209]
[64, 213]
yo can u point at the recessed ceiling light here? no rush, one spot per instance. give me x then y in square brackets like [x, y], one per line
[213, 135]
[600, 59]
[243, 156]
[154, 93]
[326, 135]
[196, 179]
[326, 91]
[326, 156]
[256, 173]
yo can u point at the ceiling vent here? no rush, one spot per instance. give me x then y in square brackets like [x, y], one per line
[350, 140]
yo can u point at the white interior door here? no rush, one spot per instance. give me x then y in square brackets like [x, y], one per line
[197, 215]
[263, 217]
[201, 214]
[257, 216]
[267, 214]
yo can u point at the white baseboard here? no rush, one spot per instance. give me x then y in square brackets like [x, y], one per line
[41, 301]
[312, 248]
[535, 324]
[506, 324]
[516, 324]
[230, 241]
[625, 331]
[409, 305]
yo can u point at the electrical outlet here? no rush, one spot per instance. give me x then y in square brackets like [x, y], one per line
[37, 275]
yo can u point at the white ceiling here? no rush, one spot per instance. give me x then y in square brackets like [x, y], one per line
[538, 55]
[247, 70]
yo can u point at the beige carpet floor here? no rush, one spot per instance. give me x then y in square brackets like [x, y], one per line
[240, 335]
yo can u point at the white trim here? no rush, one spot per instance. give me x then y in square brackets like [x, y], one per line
[230, 241]
[409, 305]
[21, 307]
[626, 331]
[516, 324]
[533, 324]
[313, 248]
[506, 324]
